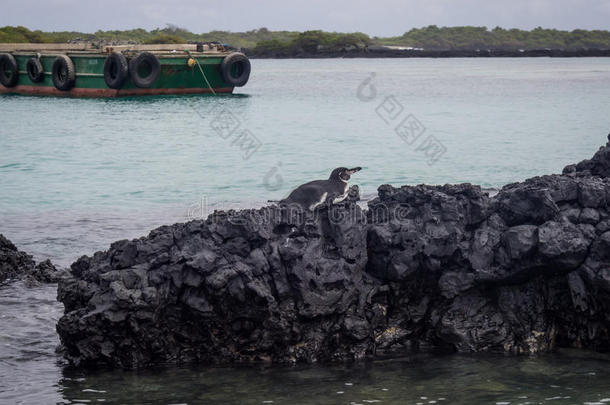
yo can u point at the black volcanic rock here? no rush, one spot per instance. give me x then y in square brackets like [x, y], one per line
[240, 286]
[17, 265]
[598, 165]
[444, 267]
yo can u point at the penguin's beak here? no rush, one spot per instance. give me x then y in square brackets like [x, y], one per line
[354, 170]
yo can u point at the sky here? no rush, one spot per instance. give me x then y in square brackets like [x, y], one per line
[376, 18]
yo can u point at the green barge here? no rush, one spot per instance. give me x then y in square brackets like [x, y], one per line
[89, 70]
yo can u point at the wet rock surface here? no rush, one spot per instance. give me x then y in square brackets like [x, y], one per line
[17, 265]
[425, 267]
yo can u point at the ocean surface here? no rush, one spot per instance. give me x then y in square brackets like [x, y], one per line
[77, 174]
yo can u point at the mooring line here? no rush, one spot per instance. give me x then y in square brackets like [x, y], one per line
[201, 70]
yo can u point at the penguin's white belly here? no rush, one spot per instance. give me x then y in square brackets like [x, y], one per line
[342, 196]
[322, 199]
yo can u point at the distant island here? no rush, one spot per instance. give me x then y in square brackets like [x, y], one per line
[431, 41]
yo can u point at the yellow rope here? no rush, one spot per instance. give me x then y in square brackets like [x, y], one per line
[201, 70]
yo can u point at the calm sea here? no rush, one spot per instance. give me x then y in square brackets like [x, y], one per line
[78, 174]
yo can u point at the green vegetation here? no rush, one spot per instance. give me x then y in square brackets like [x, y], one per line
[289, 42]
[433, 37]
[312, 42]
[165, 39]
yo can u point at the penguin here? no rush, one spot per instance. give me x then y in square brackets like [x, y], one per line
[317, 192]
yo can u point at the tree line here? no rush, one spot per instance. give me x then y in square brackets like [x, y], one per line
[264, 40]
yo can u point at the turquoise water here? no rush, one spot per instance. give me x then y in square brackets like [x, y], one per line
[130, 164]
[77, 174]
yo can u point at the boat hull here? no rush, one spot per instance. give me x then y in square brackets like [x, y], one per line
[92, 92]
[176, 77]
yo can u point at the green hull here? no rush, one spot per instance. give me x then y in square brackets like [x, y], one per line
[176, 76]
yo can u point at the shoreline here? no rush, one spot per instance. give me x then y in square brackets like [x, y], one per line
[396, 53]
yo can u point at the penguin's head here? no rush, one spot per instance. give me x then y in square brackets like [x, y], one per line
[343, 173]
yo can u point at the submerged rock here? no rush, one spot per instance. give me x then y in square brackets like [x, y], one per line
[17, 265]
[444, 267]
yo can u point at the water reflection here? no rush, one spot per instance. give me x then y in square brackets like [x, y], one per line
[33, 373]
[569, 378]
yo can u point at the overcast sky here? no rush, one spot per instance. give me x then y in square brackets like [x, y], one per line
[380, 17]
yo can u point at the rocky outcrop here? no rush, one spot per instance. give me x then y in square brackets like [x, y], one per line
[425, 267]
[525, 271]
[17, 265]
[598, 165]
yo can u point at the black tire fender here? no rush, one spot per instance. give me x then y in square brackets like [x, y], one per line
[235, 69]
[63, 73]
[35, 70]
[116, 70]
[9, 70]
[148, 61]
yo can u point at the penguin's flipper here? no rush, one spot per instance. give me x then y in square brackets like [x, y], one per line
[305, 196]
